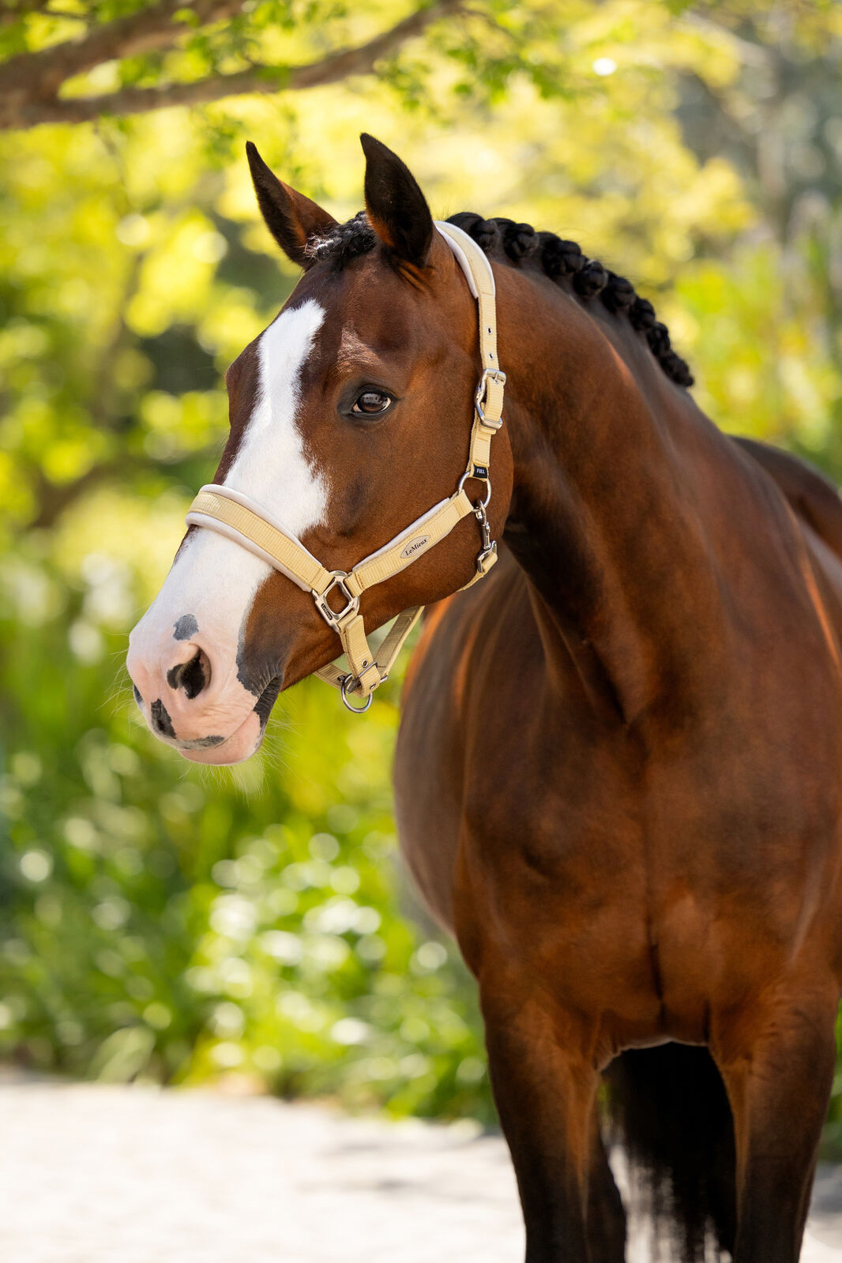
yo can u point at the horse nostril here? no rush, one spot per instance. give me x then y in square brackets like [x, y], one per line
[192, 676]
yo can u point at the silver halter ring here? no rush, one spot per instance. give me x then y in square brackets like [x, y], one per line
[470, 475]
[355, 710]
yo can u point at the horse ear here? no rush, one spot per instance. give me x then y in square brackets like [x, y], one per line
[290, 217]
[397, 209]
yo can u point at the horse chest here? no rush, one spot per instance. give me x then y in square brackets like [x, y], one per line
[615, 880]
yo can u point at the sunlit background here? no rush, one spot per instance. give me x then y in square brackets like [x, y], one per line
[161, 922]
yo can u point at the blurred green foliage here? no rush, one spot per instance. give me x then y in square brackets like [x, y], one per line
[186, 925]
[170, 922]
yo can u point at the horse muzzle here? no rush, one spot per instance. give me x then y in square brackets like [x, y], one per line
[192, 698]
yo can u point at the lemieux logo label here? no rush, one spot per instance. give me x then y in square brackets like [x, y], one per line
[415, 545]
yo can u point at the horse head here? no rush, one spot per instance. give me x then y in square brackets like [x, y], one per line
[350, 417]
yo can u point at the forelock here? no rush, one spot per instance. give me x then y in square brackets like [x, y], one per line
[343, 242]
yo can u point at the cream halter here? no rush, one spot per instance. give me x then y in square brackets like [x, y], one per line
[235, 515]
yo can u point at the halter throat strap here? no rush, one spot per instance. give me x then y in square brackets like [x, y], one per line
[237, 516]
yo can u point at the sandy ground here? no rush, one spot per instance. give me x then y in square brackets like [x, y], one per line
[100, 1174]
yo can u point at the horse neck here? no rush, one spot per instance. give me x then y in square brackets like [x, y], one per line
[603, 520]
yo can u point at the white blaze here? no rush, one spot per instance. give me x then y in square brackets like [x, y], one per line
[270, 465]
[213, 578]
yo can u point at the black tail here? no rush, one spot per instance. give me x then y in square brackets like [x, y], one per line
[670, 1111]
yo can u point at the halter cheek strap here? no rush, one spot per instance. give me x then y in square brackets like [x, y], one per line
[230, 513]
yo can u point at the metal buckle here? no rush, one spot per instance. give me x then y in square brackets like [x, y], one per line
[332, 617]
[483, 557]
[355, 710]
[489, 546]
[488, 374]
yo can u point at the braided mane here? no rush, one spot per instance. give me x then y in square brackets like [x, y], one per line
[520, 243]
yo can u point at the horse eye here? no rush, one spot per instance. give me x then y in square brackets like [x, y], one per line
[370, 402]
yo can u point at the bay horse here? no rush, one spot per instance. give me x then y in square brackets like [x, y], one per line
[618, 766]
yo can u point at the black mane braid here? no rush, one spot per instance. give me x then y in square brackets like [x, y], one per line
[558, 259]
[588, 277]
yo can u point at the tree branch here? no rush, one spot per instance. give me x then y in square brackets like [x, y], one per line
[21, 9]
[30, 78]
[28, 110]
[52, 499]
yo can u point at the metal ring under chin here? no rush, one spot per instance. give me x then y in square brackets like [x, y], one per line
[467, 476]
[355, 710]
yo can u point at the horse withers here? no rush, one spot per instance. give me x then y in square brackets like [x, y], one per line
[619, 765]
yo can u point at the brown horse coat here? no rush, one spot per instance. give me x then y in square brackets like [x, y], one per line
[633, 728]
[618, 769]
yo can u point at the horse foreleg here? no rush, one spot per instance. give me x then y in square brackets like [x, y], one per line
[777, 1062]
[545, 1089]
[606, 1216]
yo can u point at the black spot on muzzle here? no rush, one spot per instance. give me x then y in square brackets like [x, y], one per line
[201, 743]
[267, 699]
[160, 720]
[185, 627]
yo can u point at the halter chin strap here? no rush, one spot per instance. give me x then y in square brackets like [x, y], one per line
[235, 515]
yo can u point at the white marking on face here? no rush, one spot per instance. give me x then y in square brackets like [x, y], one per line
[214, 579]
[270, 465]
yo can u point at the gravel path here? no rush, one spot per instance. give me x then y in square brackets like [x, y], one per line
[101, 1174]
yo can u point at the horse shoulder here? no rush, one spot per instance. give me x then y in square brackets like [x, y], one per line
[434, 744]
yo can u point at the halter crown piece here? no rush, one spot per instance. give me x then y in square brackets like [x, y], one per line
[236, 516]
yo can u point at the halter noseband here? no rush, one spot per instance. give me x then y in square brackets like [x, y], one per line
[236, 516]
